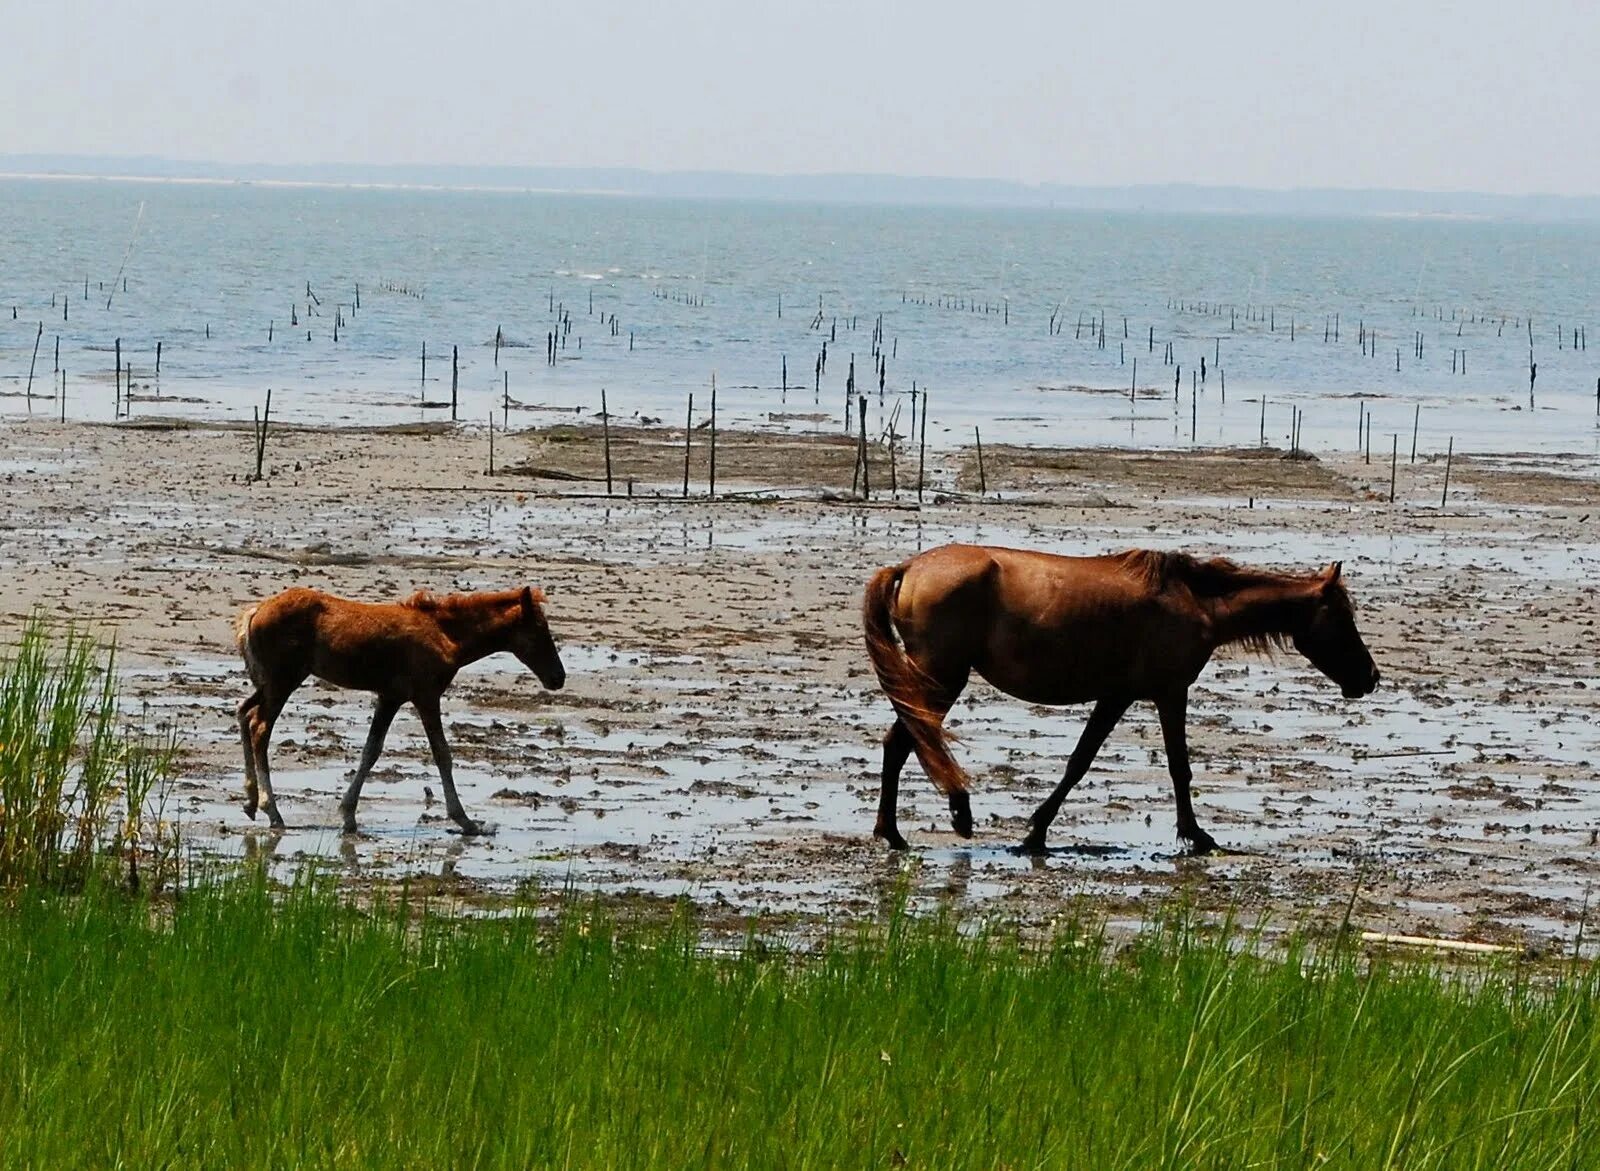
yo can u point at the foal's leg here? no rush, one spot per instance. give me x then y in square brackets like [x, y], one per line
[1174, 711]
[262, 720]
[428, 711]
[382, 717]
[1104, 717]
[251, 790]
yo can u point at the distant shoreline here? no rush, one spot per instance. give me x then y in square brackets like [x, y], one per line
[853, 189]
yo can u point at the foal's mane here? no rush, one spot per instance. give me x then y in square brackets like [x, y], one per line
[431, 603]
[1214, 577]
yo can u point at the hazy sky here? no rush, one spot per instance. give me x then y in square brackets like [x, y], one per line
[1481, 94]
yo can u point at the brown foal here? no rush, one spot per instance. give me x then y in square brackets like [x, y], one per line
[405, 651]
[1139, 625]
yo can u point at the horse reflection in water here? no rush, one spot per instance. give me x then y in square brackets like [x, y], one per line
[405, 652]
[1111, 630]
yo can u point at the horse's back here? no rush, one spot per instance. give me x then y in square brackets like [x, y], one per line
[1046, 627]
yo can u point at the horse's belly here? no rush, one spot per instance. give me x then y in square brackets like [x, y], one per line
[1033, 687]
[1068, 675]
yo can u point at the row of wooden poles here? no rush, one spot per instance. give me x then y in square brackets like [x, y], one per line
[861, 476]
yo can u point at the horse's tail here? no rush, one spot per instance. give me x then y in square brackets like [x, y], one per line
[241, 639]
[905, 684]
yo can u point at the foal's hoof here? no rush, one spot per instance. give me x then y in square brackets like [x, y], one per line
[472, 829]
[961, 813]
[250, 810]
[1032, 846]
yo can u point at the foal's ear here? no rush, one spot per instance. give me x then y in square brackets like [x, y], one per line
[1330, 575]
[527, 601]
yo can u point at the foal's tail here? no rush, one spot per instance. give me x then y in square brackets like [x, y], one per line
[906, 684]
[241, 639]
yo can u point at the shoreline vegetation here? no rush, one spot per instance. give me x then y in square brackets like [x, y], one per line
[243, 1025]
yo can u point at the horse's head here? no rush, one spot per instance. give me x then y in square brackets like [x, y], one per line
[1332, 642]
[531, 641]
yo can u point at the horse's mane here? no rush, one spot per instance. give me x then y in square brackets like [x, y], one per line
[431, 603]
[1212, 577]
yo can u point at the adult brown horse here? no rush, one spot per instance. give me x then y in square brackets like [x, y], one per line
[1139, 625]
[405, 651]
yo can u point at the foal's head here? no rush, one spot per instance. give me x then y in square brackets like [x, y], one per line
[531, 641]
[1331, 641]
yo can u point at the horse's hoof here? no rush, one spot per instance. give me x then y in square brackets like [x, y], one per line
[250, 810]
[1032, 846]
[1201, 843]
[892, 837]
[961, 814]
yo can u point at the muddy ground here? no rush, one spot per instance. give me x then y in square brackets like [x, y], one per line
[719, 734]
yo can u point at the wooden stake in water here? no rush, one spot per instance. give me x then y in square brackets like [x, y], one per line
[37, 338]
[505, 399]
[922, 447]
[63, 396]
[424, 373]
[1449, 455]
[1394, 460]
[983, 486]
[688, 435]
[713, 470]
[866, 480]
[605, 425]
[1416, 418]
[455, 378]
[491, 443]
[261, 433]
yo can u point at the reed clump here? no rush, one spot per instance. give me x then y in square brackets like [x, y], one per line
[81, 788]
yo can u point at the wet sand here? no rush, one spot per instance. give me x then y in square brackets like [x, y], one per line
[719, 734]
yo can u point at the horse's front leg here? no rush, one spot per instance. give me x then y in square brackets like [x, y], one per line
[1174, 712]
[1104, 718]
[428, 711]
[382, 717]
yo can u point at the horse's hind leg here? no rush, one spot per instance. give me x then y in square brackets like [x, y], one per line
[382, 717]
[1104, 718]
[897, 747]
[428, 711]
[251, 790]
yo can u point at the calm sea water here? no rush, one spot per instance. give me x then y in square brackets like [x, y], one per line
[965, 296]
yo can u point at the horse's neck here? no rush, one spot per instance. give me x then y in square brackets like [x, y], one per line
[1260, 610]
[478, 631]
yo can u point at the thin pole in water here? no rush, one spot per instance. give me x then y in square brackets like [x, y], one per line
[922, 447]
[688, 432]
[605, 424]
[1449, 456]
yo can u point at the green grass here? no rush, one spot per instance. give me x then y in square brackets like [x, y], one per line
[238, 1027]
[78, 786]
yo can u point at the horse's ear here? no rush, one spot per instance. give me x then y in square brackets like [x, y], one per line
[527, 601]
[1330, 576]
